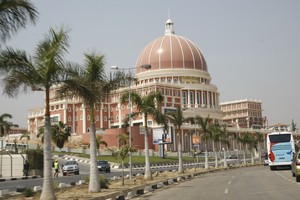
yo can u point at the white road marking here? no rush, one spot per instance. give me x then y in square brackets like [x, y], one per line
[229, 182]
[226, 191]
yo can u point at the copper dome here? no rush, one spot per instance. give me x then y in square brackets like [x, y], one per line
[171, 52]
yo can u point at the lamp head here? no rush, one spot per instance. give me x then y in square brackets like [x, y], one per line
[114, 67]
[146, 66]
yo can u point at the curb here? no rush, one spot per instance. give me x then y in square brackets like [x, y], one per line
[19, 178]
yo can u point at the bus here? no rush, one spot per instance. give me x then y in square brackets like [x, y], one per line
[12, 146]
[281, 147]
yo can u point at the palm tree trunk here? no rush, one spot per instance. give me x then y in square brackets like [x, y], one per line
[244, 156]
[180, 163]
[48, 190]
[123, 172]
[216, 155]
[94, 184]
[225, 160]
[206, 166]
[252, 157]
[148, 174]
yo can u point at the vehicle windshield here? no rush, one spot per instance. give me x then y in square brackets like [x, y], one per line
[102, 162]
[280, 138]
[71, 163]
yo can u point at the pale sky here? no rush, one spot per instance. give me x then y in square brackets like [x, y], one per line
[252, 47]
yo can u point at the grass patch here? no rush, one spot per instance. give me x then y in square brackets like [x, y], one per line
[138, 159]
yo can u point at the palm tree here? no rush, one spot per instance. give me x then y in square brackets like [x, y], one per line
[27, 136]
[4, 125]
[87, 83]
[39, 73]
[147, 105]
[225, 141]
[15, 14]
[122, 138]
[204, 125]
[177, 119]
[259, 137]
[100, 141]
[215, 136]
[60, 133]
[246, 139]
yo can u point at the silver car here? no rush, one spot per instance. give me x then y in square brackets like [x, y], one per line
[296, 166]
[70, 167]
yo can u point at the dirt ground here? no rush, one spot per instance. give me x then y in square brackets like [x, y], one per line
[81, 192]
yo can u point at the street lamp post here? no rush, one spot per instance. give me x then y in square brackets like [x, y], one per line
[130, 112]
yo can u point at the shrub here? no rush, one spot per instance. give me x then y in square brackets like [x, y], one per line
[103, 181]
[28, 192]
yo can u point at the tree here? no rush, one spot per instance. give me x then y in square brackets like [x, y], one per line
[293, 126]
[177, 119]
[258, 138]
[88, 84]
[15, 14]
[250, 142]
[122, 138]
[100, 141]
[38, 73]
[204, 125]
[121, 153]
[224, 138]
[4, 125]
[27, 136]
[148, 106]
[215, 136]
[60, 133]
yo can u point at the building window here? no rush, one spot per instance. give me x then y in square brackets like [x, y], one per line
[80, 117]
[76, 118]
[69, 109]
[105, 109]
[69, 119]
[204, 98]
[97, 118]
[88, 118]
[192, 99]
[184, 97]
[117, 117]
[198, 98]
[105, 118]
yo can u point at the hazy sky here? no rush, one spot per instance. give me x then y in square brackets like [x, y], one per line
[252, 47]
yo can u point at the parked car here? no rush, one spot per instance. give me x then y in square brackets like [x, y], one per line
[70, 167]
[231, 156]
[296, 166]
[103, 165]
[266, 162]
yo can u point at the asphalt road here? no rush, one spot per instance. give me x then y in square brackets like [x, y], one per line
[252, 183]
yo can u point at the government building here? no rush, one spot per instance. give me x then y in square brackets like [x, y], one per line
[176, 68]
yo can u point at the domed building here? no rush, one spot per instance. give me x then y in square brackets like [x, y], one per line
[177, 63]
[175, 66]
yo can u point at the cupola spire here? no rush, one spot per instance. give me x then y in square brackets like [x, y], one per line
[169, 27]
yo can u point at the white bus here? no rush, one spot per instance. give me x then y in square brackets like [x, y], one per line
[281, 147]
[12, 146]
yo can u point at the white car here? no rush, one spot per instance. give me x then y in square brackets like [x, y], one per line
[70, 167]
[266, 162]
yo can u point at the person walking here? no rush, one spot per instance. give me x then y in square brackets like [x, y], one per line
[56, 168]
[25, 168]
